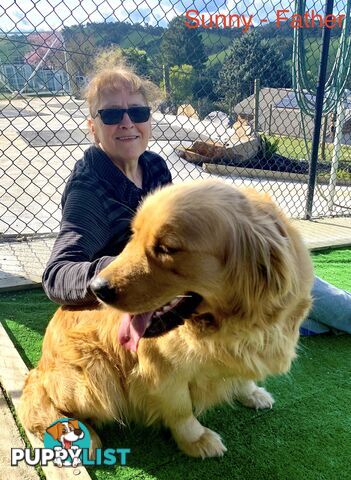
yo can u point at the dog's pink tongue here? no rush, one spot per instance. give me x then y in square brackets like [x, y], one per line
[132, 328]
[67, 444]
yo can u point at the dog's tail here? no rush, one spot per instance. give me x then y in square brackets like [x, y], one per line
[36, 410]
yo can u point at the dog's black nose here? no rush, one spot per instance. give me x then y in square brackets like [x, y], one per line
[103, 290]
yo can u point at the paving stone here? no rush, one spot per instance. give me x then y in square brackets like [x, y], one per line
[10, 438]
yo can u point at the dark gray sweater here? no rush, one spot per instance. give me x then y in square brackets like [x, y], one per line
[98, 204]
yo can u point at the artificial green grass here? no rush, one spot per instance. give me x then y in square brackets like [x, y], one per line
[307, 435]
[334, 266]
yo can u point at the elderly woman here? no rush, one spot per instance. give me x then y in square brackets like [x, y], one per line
[107, 185]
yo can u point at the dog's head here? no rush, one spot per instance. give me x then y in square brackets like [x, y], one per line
[203, 248]
[66, 432]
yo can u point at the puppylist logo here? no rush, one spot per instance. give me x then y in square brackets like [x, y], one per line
[66, 444]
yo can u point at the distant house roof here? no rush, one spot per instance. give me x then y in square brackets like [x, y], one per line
[268, 96]
[285, 116]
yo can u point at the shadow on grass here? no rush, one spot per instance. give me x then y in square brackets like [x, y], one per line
[154, 453]
[18, 346]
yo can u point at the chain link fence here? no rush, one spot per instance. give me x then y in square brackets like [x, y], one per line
[229, 107]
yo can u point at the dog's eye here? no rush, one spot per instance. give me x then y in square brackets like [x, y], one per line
[160, 249]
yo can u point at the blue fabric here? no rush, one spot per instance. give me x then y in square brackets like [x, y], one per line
[331, 310]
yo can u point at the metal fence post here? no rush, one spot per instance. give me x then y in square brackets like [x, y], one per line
[319, 111]
[257, 103]
[336, 151]
[270, 119]
[166, 80]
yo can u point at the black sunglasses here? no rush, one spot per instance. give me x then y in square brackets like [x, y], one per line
[113, 116]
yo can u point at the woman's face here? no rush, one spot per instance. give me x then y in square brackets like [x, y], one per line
[126, 141]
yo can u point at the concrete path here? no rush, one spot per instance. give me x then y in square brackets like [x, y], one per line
[40, 147]
[11, 439]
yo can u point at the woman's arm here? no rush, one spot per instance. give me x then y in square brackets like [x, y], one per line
[84, 232]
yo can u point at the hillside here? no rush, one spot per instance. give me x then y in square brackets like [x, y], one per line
[13, 48]
[92, 37]
[126, 35]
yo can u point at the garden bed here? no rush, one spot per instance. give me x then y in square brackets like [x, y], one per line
[279, 163]
[275, 166]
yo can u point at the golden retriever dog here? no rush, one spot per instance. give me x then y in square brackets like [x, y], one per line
[206, 298]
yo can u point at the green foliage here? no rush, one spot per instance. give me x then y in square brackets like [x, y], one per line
[181, 82]
[182, 45]
[146, 37]
[313, 53]
[268, 146]
[115, 55]
[295, 148]
[218, 58]
[122, 33]
[142, 40]
[215, 41]
[249, 58]
[138, 59]
[148, 47]
[187, 85]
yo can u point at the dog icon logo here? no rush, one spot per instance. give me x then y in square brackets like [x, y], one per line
[67, 437]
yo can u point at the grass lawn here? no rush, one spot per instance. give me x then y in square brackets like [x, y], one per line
[295, 148]
[306, 436]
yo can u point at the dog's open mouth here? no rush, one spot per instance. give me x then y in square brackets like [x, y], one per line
[67, 444]
[158, 322]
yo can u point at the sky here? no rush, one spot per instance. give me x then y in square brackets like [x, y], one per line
[47, 15]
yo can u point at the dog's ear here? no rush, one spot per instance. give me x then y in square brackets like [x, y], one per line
[74, 424]
[55, 430]
[258, 261]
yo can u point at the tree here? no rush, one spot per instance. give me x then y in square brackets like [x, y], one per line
[138, 59]
[182, 45]
[249, 58]
[80, 54]
[181, 84]
[115, 55]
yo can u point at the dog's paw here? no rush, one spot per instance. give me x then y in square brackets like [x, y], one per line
[76, 462]
[58, 462]
[208, 445]
[258, 398]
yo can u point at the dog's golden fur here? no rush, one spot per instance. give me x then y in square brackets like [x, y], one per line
[235, 249]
